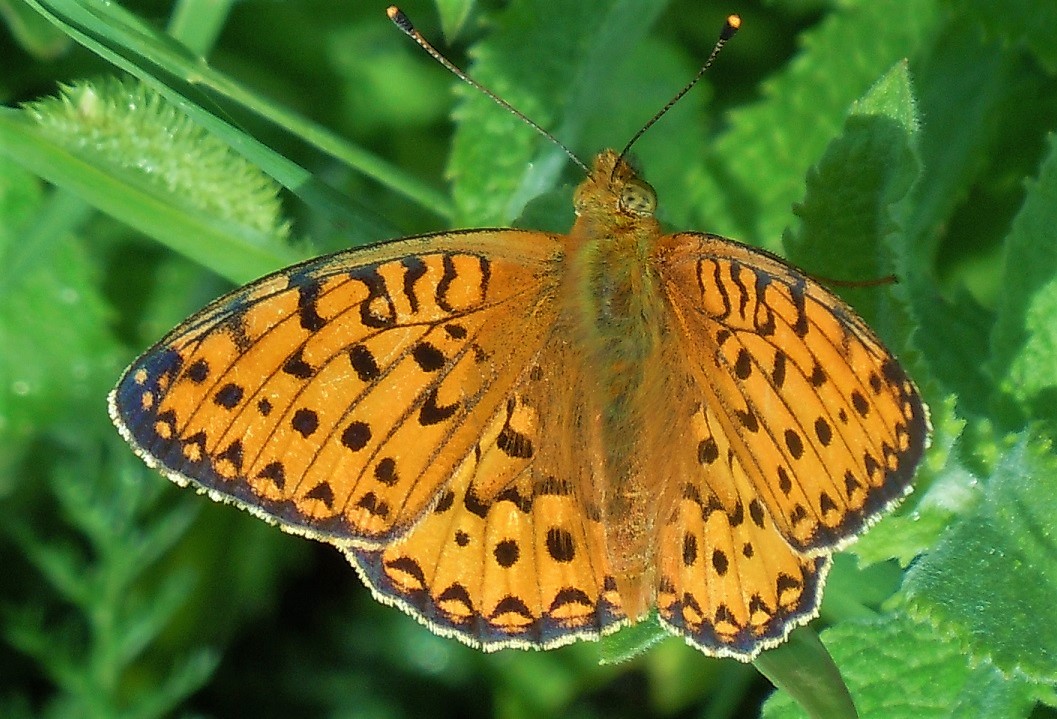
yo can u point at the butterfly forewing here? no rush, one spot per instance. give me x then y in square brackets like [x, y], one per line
[337, 397]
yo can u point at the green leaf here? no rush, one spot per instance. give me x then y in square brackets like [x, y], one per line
[960, 82]
[1024, 343]
[639, 84]
[35, 34]
[805, 671]
[57, 348]
[756, 169]
[1026, 22]
[197, 23]
[964, 85]
[395, 80]
[230, 248]
[897, 668]
[945, 488]
[632, 641]
[453, 16]
[989, 585]
[847, 213]
[552, 72]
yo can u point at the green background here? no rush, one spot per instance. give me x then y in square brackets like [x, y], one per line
[858, 138]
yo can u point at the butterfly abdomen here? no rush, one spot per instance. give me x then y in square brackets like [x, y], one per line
[619, 319]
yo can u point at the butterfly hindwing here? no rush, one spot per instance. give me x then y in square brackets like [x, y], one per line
[727, 581]
[513, 554]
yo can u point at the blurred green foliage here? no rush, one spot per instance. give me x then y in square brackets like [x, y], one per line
[860, 138]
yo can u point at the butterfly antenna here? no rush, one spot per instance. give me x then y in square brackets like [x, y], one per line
[404, 23]
[729, 28]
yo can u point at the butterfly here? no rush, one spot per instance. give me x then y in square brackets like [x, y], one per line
[524, 438]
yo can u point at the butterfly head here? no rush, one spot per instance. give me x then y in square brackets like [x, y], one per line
[613, 186]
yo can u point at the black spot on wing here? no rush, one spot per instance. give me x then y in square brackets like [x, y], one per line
[363, 363]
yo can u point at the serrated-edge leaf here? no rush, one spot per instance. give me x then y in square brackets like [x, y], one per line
[847, 217]
[756, 170]
[960, 80]
[899, 668]
[990, 582]
[944, 490]
[1024, 341]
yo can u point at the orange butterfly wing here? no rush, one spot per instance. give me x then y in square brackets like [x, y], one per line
[337, 397]
[514, 554]
[806, 431]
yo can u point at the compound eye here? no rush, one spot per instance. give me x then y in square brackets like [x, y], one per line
[638, 198]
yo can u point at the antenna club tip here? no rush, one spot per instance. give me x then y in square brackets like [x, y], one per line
[400, 19]
[731, 26]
